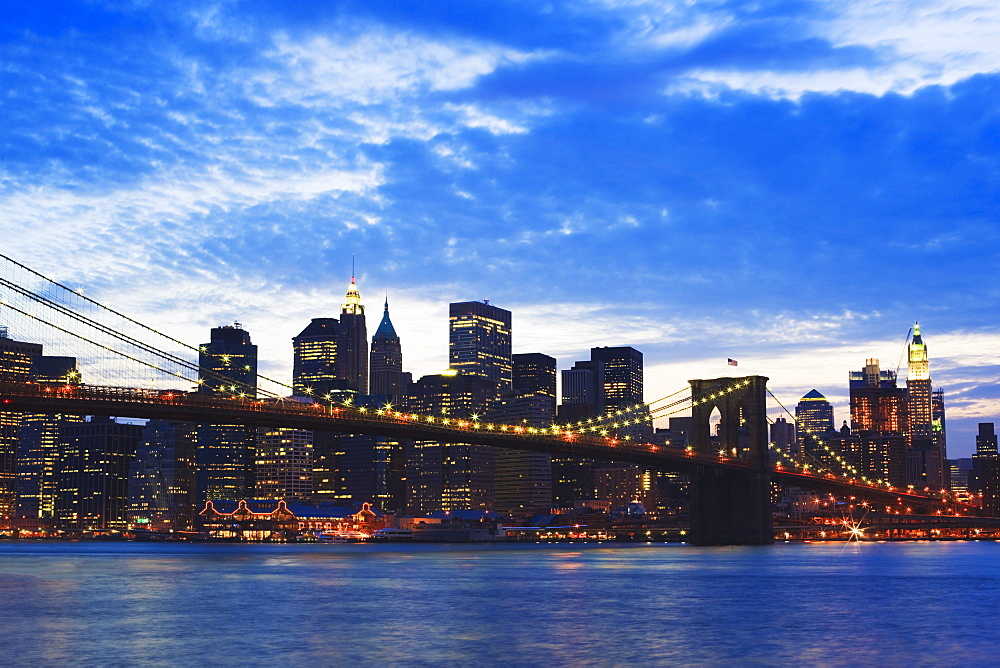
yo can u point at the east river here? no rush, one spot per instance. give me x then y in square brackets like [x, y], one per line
[92, 603]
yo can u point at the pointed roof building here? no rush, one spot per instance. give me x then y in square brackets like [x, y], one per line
[386, 362]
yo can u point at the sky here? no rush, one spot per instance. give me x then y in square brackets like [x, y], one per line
[788, 183]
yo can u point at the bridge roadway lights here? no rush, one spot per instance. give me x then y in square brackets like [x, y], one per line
[731, 507]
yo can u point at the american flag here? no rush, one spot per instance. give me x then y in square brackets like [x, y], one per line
[733, 362]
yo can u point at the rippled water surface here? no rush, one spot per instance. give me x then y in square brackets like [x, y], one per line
[829, 603]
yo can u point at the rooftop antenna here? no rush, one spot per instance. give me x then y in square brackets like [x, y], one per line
[352, 267]
[902, 354]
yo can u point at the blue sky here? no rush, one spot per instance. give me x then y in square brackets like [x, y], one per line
[789, 183]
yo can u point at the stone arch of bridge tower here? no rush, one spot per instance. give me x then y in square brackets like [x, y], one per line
[740, 401]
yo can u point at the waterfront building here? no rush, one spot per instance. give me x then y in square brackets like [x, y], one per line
[225, 452]
[15, 366]
[161, 478]
[450, 476]
[879, 419]
[94, 473]
[283, 464]
[38, 442]
[386, 361]
[573, 477]
[524, 479]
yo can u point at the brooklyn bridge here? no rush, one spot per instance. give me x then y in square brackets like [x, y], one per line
[731, 471]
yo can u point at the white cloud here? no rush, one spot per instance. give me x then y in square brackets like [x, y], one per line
[918, 42]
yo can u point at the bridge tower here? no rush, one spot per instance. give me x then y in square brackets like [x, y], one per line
[732, 507]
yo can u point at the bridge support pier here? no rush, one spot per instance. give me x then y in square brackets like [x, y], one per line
[731, 507]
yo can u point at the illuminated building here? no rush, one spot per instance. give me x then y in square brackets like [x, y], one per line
[878, 419]
[450, 476]
[161, 478]
[283, 464]
[93, 473]
[38, 442]
[314, 359]
[573, 477]
[386, 368]
[15, 366]
[925, 458]
[620, 388]
[479, 343]
[986, 452]
[352, 345]
[524, 479]
[813, 418]
[369, 469]
[225, 452]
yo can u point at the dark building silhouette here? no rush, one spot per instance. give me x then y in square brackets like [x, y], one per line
[986, 452]
[225, 452]
[93, 473]
[386, 367]
[524, 479]
[161, 478]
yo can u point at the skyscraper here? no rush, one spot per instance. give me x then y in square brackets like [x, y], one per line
[352, 345]
[15, 366]
[93, 473]
[479, 343]
[621, 382]
[225, 452]
[450, 476]
[386, 367]
[813, 418]
[314, 359]
[925, 465]
[878, 419]
[161, 478]
[524, 479]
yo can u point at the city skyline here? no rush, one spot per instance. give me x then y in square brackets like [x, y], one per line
[790, 188]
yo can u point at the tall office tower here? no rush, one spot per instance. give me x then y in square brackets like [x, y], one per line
[38, 442]
[783, 434]
[352, 346]
[924, 458]
[386, 366]
[369, 468]
[161, 478]
[582, 388]
[524, 479]
[15, 366]
[283, 464]
[314, 359]
[878, 419]
[479, 343]
[986, 468]
[573, 477]
[225, 452]
[93, 473]
[450, 476]
[938, 422]
[622, 389]
[986, 452]
[813, 418]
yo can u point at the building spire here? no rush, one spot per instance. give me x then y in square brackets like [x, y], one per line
[353, 302]
[385, 329]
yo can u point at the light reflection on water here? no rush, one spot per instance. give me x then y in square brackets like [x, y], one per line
[830, 603]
